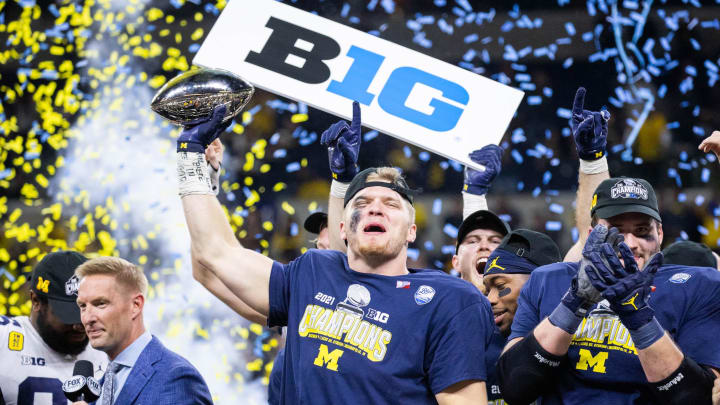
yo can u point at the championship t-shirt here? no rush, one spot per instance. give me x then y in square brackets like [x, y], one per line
[31, 373]
[603, 366]
[374, 339]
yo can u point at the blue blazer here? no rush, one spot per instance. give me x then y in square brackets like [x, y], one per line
[161, 376]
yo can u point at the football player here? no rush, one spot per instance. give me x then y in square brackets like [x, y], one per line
[38, 353]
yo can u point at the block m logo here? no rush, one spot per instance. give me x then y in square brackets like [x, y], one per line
[329, 359]
[597, 362]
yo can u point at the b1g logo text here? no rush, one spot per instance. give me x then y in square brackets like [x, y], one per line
[300, 53]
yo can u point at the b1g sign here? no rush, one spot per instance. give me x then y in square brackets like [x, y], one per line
[327, 65]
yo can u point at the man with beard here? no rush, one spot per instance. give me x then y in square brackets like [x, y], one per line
[352, 320]
[604, 331]
[38, 353]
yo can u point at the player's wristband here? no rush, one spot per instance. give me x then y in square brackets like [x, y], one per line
[193, 176]
[472, 203]
[594, 166]
[647, 334]
[565, 319]
[338, 189]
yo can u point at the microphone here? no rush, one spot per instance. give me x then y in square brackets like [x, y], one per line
[82, 386]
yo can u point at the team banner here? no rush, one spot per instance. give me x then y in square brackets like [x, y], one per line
[327, 65]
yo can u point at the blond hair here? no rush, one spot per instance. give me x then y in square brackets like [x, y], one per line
[393, 176]
[125, 273]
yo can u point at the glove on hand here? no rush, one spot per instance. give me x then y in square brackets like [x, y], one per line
[626, 288]
[343, 142]
[198, 134]
[589, 128]
[478, 182]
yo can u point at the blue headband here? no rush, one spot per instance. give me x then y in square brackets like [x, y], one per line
[503, 262]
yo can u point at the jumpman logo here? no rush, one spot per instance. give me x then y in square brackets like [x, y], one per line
[494, 264]
[631, 301]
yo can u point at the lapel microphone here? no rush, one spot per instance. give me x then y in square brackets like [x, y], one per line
[82, 386]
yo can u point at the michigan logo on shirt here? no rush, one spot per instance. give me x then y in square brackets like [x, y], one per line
[599, 334]
[346, 328]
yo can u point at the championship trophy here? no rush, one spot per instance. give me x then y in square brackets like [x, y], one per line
[195, 94]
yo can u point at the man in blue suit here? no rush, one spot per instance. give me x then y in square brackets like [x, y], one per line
[111, 296]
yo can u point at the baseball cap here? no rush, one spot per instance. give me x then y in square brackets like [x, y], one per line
[360, 182]
[688, 253]
[316, 222]
[54, 278]
[481, 219]
[521, 251]
[619, 195]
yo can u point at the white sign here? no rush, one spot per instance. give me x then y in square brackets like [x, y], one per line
[403, 93]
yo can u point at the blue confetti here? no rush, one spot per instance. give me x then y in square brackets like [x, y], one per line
[536, 192]
[413, 253]
[564, 113]
[450, 230]
[429, 245]
[557, 208]
[705, 175]
[437, 206]
[570, 28]
[534, 100]
[520, 186]
[699, 199]
[471, 38]
[547, 176]
[292, 167]
[702, 230]
[553, 226]
[517, 156]
[293, 229]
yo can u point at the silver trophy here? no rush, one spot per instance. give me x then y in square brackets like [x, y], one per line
[195, 94]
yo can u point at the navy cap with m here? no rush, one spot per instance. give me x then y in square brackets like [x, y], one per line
[54, 278]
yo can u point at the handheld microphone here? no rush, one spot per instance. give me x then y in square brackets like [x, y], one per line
[82, 386]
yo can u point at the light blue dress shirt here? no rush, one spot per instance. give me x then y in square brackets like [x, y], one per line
[126, 359]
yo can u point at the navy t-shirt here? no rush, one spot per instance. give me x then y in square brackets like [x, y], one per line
[491, 358]
[275, 379]
[375, 339]
[603, 367]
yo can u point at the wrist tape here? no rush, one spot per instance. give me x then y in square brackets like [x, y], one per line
[338, 189]
[472, 203]
[193, 176]
[594, 166]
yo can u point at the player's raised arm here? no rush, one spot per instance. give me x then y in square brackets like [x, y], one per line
[343, 143]
[590, 130]
[244, 272]
[477, 183]
[213, 155]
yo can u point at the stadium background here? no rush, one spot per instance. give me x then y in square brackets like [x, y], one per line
[85, 164]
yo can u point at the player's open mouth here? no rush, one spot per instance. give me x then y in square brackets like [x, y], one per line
[374, 228]
[499, 315]
[480, 264]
